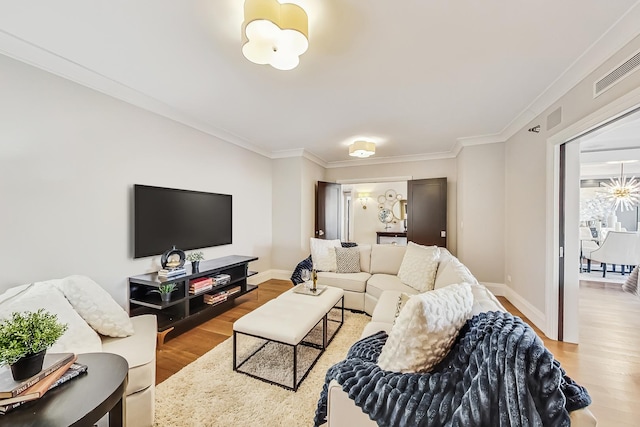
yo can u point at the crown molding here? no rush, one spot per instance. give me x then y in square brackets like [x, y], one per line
[298, 152]
[285, 154]
[395, 159]
[467, 141]
[36, 56]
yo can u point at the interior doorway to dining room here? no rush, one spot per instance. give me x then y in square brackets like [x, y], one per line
[590, 166]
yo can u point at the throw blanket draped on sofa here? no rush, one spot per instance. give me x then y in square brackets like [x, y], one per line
[498, 373]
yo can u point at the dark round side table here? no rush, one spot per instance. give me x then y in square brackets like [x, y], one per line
[81, 401]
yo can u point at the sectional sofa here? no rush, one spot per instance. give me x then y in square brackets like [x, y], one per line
[96, 323]
[376, 289]
[380, 264]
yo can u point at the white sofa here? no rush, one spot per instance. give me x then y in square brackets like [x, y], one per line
[139, 348]
[380, 299]
[379, 265]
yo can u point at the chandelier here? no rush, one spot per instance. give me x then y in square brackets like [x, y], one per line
[624, 193]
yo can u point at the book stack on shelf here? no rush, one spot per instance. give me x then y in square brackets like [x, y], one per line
[200, 284]
[234, 290]
[57, 369]
[221, 279]
[216, 298]
[171, 272]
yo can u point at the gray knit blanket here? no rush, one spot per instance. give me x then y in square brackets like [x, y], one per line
[498, 373]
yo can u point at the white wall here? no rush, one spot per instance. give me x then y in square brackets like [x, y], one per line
[445, 168]
[481, 211]
[530, 200]
[287, 220]
[365, 221]
[294, 200]
[69, 157]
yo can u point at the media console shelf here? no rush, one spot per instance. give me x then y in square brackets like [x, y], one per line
[186, 310]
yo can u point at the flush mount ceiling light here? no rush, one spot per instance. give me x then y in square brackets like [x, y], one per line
[623, 192]
[275, 34]
[362, 149]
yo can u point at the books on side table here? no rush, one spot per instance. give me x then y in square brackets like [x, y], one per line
[58, 368]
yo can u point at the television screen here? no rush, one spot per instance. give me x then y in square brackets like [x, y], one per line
[164, 217]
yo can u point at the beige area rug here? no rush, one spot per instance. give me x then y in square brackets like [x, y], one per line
[208, 392]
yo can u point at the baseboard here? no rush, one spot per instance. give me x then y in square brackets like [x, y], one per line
[268, 275]
[534, 315]
[281, 274]
[263, 276]
[498, 289]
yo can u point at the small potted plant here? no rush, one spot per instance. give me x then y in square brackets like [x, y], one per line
[195, 258]
[25, 338]
[165, 291]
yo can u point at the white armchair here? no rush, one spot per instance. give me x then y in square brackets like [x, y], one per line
[617, 248]
[588, 243]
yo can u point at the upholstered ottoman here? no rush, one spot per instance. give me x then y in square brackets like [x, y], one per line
[287, 320]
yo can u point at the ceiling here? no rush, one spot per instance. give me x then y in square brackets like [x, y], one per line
[419, 78]
[603, 150]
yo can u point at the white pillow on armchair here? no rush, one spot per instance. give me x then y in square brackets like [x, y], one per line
[79, 337]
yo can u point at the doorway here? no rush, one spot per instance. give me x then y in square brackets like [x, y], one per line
[592, 154]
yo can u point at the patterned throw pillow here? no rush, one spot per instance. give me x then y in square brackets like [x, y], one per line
[426, 328]
[348, 260]
[419, 267]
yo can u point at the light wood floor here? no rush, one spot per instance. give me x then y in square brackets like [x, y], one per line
[606, 362]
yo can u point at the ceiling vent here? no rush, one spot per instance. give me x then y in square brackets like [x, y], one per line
[617, 74]
[554, 119]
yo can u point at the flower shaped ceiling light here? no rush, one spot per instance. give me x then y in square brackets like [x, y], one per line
[275, 34]
[623, 192]
[362, 149]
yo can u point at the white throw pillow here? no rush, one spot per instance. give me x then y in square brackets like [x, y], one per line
[79, 337]
[419, 266]
[426, 328]
[323, 254]
[96, 306]
[452, 272]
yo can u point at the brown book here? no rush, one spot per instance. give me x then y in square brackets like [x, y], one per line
[38, 390]
[10, 387]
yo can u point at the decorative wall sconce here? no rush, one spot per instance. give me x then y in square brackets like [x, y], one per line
[364, 198]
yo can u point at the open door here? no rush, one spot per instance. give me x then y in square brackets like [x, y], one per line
[328, 196]
[427, 211]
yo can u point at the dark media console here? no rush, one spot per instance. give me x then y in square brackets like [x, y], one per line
[185, 310]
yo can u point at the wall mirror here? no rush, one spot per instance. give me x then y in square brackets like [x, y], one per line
[399, 209]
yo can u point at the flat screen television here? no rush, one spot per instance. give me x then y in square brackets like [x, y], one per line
[164, 217]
